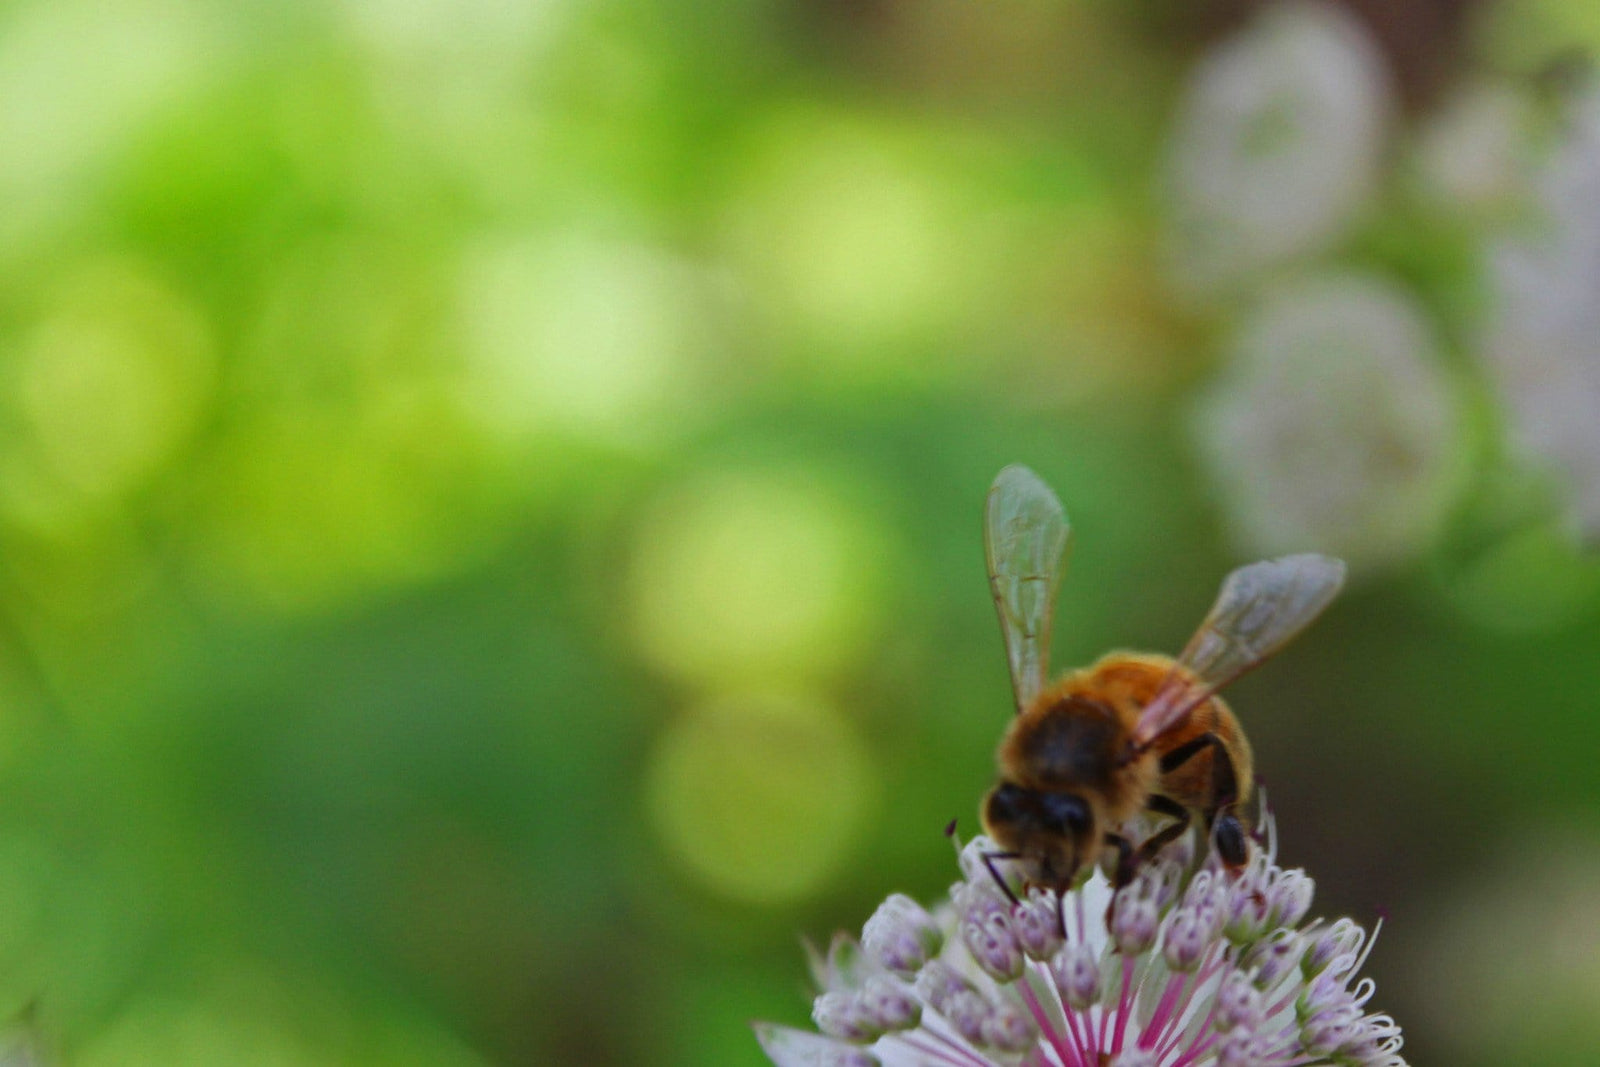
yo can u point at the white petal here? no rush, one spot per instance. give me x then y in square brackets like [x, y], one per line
[788, 1047]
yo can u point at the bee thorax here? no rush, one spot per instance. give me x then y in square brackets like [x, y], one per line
[1071, 743]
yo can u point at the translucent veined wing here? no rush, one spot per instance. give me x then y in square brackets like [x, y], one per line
[1260, 609]
[1025, 537]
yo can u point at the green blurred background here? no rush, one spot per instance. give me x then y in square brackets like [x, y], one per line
[490, 490]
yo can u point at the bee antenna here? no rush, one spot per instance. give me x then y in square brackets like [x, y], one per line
[989, 863]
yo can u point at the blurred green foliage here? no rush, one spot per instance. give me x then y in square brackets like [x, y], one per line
[489, 516]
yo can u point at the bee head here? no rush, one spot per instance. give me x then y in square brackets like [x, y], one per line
[1053, 833]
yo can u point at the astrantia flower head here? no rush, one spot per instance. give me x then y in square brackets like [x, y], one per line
[1191, 967]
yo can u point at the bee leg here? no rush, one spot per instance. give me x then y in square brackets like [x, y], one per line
[988, 861]
[1224, 779]
[1130, 859]
[1123, 875]
[1233, 844]
[1125, 854]
[1228, 832]
[1165, 836]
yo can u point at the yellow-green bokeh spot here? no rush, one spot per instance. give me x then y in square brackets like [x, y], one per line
[579, 334]
[762, 796]
[856, 232]
[745, 574]
[107, 384]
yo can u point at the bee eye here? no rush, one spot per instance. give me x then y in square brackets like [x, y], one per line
[1007, 803]
[1067, 811]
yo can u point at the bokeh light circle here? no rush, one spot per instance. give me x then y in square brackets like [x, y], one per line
[105, 388]
[579, 334]
[744, 574]
[760, 796]
[856, 240]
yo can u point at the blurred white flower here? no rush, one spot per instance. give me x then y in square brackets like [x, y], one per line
[1278, 144]
[1196, 968]
[1471, 154]
[1543, 343]
[1334, 427]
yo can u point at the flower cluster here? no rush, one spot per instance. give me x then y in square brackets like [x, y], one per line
[1189, 967]
[1541, 347]
[1336, 424]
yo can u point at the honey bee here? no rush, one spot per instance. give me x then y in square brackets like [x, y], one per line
[1135, 733]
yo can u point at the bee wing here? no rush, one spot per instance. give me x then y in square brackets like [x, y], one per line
[1025, 538]
[1260, 609]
